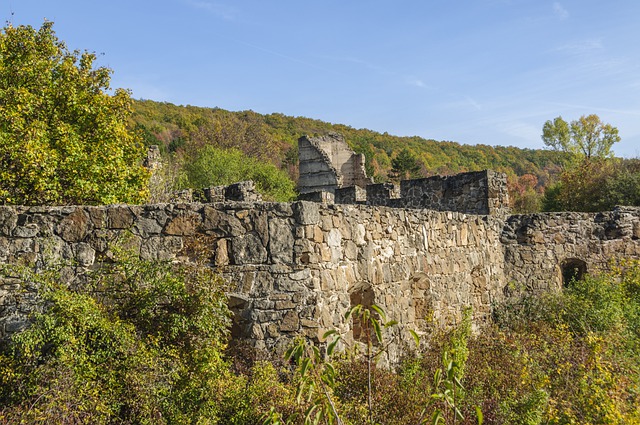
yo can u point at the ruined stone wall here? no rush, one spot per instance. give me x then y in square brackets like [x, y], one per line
[541, 248]
[478, 192]
[296, 268]
[327, 163]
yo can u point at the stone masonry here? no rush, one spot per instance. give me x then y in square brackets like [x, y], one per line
[327, 163]
[478, 192]
[296, 268]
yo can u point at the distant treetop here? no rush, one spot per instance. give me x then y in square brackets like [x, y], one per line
[587, 137]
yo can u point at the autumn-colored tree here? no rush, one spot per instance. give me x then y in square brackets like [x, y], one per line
[524, 193]
[63, 136]
[594, 180]
[586, 137]
[596, 185]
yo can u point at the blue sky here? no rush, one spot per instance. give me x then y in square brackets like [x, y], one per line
[470, 71]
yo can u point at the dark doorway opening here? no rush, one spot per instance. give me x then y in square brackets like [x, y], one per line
[573, 270]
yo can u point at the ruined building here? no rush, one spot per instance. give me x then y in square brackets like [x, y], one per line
[423, 252]
[327, 163]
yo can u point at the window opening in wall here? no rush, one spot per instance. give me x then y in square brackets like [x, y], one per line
[573, 269]
[362, 295]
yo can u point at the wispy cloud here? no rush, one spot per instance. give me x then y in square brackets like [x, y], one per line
[580, 47]
[634, 112]
[215, 8]
[560, 11]
[413, 81]
[464, 103]
[409, 80]
[520, 129]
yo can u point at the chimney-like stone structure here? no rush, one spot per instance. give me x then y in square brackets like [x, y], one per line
[327, 163]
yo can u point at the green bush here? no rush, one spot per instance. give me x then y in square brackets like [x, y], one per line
[142, 344]
[213, 166]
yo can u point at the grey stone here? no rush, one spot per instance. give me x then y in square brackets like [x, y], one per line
[222, 222]
[306, 213]
[85, 254]
[28, 231]
[247, 249]
[8, 220]
[148, 226]
[15, 325]
[160, 248]
[280, 241]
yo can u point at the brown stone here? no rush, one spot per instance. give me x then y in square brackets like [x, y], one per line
[221, 254]
[284, 305]
[183, 224]
[74, 227]
[120, 217]
[290, 322]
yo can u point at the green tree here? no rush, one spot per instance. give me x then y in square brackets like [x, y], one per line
[63, 137]
[596, 185]
[213, 166]
[405, 165]
[587, 137]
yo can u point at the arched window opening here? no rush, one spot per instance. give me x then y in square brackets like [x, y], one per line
[573, 270]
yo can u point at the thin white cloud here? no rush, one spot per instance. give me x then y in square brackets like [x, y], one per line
[560, 11]
[521, 130]
[580, 47]
[465, 103]
[413, 81]
[216, 8]
[380, 70]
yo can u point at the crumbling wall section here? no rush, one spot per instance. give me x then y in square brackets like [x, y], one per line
[478, 192]
[327, 163]
[541, 248]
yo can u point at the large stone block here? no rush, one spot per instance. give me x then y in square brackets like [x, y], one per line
[75, 226]
[281, 241]
[306, 213]
[248, 249]
[8, 220]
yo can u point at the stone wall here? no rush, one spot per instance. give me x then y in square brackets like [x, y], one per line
[478, 192]
[540, 249]
[327, 163]
[296, 268]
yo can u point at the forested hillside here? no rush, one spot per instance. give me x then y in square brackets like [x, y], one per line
[187, 129]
